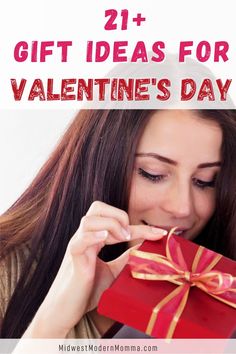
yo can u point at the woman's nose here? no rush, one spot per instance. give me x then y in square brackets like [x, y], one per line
[178, 201]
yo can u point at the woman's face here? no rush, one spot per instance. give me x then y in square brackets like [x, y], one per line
[173, 183]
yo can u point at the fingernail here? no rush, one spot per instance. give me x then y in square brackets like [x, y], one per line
[155, 230]
[126, 234]
[101, 234]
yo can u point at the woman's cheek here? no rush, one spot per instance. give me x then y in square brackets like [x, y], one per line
[142, 203]
[206, 206]
[140, 199]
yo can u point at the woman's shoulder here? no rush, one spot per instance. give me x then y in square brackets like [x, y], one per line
[10, 270]
[12, 264]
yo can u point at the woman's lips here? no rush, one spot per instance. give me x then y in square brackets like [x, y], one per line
[180, 231]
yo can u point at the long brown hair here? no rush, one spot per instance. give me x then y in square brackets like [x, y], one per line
[94, 161]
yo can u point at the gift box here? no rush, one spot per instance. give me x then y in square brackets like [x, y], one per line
[173, 288]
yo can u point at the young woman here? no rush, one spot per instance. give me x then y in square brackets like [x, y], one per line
[116, 178]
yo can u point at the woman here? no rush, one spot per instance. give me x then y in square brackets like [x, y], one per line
[116, 178]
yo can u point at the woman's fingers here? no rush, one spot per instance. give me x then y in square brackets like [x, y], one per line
[98, 208]
[146, 232]
[99, 223]
[104, 224]
[79, 244]
[96, 230]
[119, 228]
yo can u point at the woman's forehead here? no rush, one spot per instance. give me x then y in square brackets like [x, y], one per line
[181, 133]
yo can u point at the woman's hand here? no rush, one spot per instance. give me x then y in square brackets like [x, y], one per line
[82, 277]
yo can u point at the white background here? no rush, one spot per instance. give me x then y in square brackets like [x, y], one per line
[28, 131]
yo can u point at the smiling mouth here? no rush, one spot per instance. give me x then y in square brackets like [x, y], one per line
[178, 232]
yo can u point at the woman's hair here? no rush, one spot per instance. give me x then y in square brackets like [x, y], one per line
[94, 161]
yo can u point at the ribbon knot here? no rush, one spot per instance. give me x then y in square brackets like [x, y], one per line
[173, 268]
[187, 276]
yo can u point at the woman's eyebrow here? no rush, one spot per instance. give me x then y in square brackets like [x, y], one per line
[175, 163]
[157, 156]
[209, 164]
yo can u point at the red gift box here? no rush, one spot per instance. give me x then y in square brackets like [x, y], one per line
[134, 301]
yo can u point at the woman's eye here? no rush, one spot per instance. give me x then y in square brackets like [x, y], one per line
[149, 176]
[204, 184]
